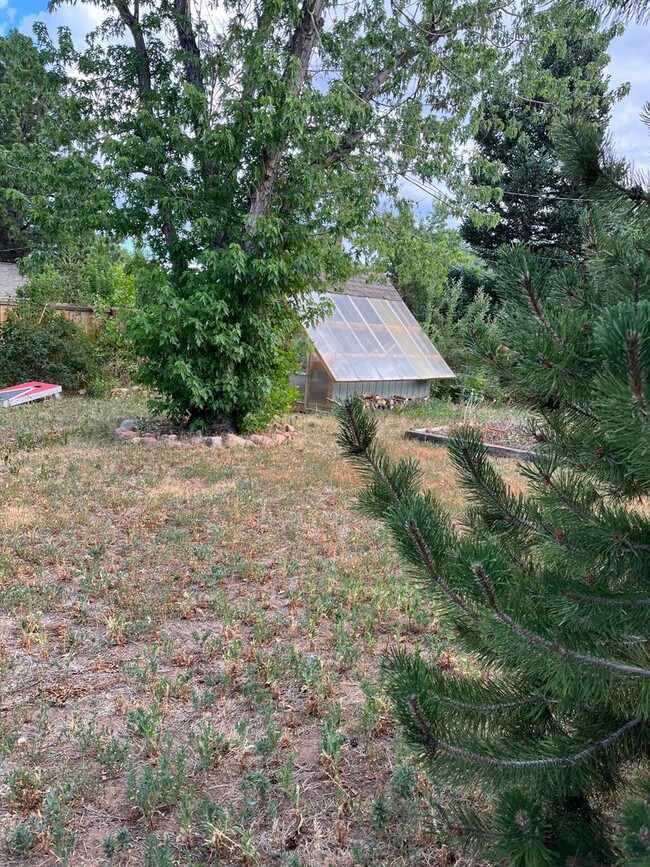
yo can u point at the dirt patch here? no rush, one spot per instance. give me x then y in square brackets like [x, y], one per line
[189, 648]
[512, 434]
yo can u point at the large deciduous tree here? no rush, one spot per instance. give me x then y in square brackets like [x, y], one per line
[538, 205]
[241, 139]
[48, 185]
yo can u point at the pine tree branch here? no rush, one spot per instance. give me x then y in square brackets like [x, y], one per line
[482, 580]
[360, 448]
[580, 410]
[470, 464]
[433, 745]
[429, 740]
[497, 707]
[589, 518]
[536, 307]
[603, 600]
[637, 379]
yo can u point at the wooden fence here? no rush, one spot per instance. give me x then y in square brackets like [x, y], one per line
[83, 316]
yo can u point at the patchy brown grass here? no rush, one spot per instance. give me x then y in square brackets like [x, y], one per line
[189, 641]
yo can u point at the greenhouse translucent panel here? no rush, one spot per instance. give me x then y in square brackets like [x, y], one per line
[369, 314]
[372, 339]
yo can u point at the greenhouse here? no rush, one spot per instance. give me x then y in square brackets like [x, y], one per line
[370, 344]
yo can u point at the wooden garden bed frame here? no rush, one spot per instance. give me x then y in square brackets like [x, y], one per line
[434, 435]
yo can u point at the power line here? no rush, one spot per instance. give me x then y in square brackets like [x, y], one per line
[549, 196]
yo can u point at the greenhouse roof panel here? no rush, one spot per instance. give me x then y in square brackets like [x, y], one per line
[375, 339]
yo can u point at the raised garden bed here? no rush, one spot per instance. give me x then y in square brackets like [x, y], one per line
[504, 440]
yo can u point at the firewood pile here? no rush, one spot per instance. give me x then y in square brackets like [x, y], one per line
[375, 401]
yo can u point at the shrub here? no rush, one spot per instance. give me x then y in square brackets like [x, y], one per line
[281, 396]
[49, 349]
[452, 325]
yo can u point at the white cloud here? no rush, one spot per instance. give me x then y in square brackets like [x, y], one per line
[630, 136]
[80, 19]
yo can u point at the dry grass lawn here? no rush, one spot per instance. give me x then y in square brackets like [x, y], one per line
[189, 642]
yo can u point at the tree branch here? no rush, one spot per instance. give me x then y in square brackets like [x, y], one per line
[354, 134]
[182, 15]
[411, 527]
[300, 50]
[432, 745]
[131, 21]
[483, 581]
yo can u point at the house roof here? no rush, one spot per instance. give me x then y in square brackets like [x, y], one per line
[372, 337]
[10, 280]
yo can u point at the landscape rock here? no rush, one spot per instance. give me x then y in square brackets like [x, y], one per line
[122, 434]
[289, 428]
[232, 441]
[128, 424]
[213, 442]
[196, 440]
[169, 438]
[148, 441]
[261, 440]
[134, 440]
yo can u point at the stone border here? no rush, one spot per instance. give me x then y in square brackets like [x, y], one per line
[432, 436]
[128, 431]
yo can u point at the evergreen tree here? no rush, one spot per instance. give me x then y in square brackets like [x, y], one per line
[539, 206]
[548, 590]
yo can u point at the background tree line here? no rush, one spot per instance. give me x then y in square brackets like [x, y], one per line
[235, 154]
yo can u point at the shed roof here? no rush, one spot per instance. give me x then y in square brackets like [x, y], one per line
[10, 279]
[362, 287]
[373, 338]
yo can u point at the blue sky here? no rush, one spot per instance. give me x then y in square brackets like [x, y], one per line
[628, 64]
[11, 11]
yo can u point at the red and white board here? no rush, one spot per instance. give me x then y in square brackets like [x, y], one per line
[26, 392]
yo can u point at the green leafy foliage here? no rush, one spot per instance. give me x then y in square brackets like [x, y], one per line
[239, 153]
[438, 277]
[546, 589]
[47, 349]
[453, 326]
[88, 271]
[157, 789]
[49, 187]
[418, 256]
[281, 396]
